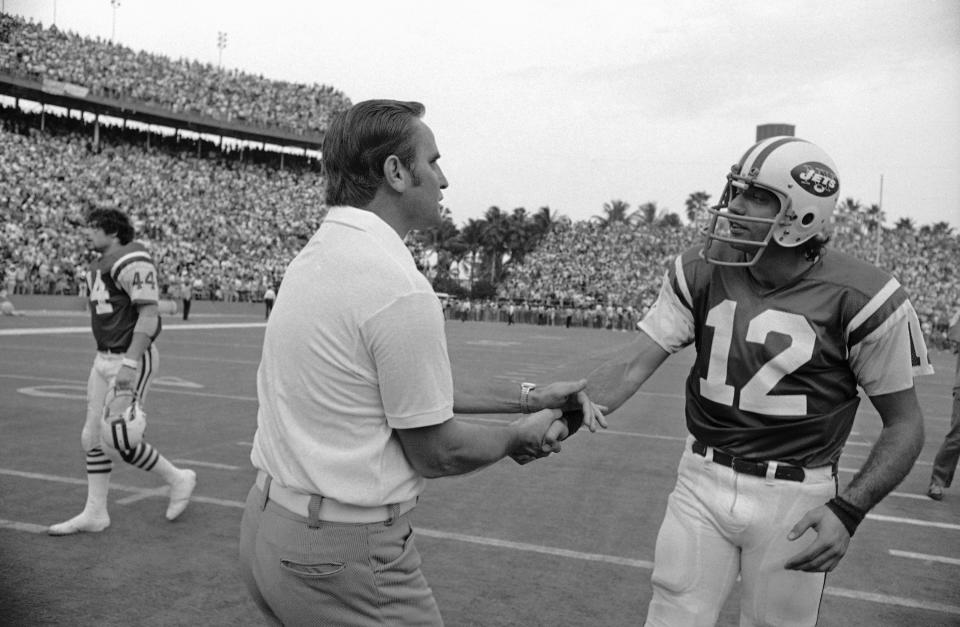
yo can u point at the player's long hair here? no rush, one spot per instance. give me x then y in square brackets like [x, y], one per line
[814, 246]
[112, 221]
[358, 142]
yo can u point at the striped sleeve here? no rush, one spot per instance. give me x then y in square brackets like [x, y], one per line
[135, 273]
[885, 342]
[669, 322]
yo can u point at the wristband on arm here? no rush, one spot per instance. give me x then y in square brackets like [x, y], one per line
[848, 513]
[525, 389]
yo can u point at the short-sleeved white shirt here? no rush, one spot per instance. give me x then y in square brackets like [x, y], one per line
[354, 348]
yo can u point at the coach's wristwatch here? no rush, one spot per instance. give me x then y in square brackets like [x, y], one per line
[525, 389]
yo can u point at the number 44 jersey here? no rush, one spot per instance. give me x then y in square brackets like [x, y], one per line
[118, 282]
[777, 370]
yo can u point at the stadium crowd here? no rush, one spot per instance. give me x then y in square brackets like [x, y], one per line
[179, 85]
[226, 227]
[595, 267]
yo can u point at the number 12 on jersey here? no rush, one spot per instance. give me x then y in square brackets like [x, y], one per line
[755, 395]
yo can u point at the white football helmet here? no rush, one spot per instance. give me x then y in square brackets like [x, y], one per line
[123, 421]
[800, 174]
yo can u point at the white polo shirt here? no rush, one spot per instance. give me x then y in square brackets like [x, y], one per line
[354, 348]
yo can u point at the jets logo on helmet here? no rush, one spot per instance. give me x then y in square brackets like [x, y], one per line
[803, 178]
[123, 421]
[816, 178]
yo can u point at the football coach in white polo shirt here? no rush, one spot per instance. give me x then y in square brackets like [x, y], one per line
[356, 394]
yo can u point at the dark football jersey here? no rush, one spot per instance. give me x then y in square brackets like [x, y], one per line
[117, 282]
[777, 370]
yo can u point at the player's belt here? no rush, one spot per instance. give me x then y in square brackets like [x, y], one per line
[316, 507]
[757, 469]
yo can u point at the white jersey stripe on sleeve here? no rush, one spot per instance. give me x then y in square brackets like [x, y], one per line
[871, 307]
[137, 255]
[682, 281]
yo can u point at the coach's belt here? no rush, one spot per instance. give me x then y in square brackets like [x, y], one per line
[328, 509]
[757, 469]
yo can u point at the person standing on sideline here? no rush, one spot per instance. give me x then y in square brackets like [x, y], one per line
[123, 311]
[268, 299]
[186, 295]
[356, 398]
[945, 463]
[785, 331]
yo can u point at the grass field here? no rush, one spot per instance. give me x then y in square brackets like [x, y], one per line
[565, 541]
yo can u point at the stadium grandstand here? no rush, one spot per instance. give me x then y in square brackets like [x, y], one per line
[219, 170]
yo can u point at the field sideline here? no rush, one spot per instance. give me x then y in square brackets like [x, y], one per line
[565, 541]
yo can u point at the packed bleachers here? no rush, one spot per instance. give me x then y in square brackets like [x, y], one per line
[601, 268]
[228, 224]
[179, 85]
[231, 225]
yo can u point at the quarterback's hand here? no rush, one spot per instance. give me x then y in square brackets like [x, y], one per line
[533, 429]
[828, 547]
[571, 396]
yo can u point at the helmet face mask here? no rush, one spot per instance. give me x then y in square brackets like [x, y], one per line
[123, 421]
[802, 177]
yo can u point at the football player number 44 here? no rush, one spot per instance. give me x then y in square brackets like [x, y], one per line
[100, 296]
[755, 395]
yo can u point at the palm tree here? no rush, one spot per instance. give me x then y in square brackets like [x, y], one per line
[543, 221]
[472, 236]
[941, 228]
[670, 219]
[614, 211]
[519, 233]
[875, 217]
[647, 213]
[445, 240]
[494, 240]
[904, 224]
[696, 204]
[849, 205]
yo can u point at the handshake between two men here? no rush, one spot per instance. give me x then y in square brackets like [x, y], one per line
[558, 411]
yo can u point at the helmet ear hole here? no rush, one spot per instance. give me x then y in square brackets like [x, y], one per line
[807, 219]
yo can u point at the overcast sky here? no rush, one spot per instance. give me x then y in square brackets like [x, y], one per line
[572, 104]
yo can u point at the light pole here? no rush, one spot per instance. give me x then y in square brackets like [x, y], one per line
[221, 44]
[113, 29]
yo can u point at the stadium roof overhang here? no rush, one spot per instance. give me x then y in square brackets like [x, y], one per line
[52, 93]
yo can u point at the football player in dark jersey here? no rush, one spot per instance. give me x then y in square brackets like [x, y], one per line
[123, 297]
[785, 331]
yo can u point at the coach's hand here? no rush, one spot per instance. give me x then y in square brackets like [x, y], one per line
[533, 441]
[830, 545]
[570, 396]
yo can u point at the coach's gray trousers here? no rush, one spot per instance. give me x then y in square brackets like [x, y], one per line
[337, 574]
